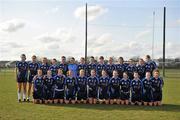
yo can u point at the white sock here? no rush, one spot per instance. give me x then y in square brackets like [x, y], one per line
[19, 95]
[28, 97]
[24, 95]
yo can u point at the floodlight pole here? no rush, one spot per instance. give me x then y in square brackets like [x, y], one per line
[164, 40]
[86, 33]
[153, 35]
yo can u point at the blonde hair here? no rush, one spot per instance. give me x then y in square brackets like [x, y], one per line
[82, 70]
[68, 72]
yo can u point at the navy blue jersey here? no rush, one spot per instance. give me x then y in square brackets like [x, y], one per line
[103, 84]
[48, 82]
[54, 69]
[81, 87]
[126, 64]
[130, 69]
[150, 66]
[64, 67]
[147, 85]
[120, 69]
[81, 66]
[110, 68]
[125, 85]
[70, 87]
[81, 81]
[114, 82]
[59, 81]
[22, 67]
[141, 71]
[38, 83]
[92, 81]
[136, 86]
[114, 88]
[90, 67]
[33, 67]
[157, 84]
[103, 81]
[70, 82]
[44, 68]
[99, 68]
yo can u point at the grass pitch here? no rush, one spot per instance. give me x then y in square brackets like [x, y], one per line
[10, 109]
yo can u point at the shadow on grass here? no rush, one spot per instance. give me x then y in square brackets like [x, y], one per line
[164, 107]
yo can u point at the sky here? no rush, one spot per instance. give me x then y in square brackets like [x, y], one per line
[53, 28]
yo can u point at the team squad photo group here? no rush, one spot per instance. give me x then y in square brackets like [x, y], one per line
[125, 83]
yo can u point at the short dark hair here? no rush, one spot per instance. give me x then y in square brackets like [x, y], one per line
[23, 55]
[54, 59]
[73, 58]
[92, 57]
[101, 57]
[63, 57]
[83, 58]
[121, 58]
[148, 56]
[125, 73]
[34, 56]
[141, 59]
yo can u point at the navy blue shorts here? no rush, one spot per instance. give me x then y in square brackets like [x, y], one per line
[147, 97]
[82, 93]
[125, 95]
[58, 94]
[103, 93]
[92, 92]
[30, 78]
[38, 94]
[70, 94]
[48, 94]
[114, 93]
[21, 78]
[136, 97]
[157, 96]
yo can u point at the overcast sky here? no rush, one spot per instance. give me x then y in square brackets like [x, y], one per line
[53, 28]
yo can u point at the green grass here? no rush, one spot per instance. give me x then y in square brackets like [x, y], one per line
[11, 109]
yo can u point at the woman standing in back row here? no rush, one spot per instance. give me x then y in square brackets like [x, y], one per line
[22, 74]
